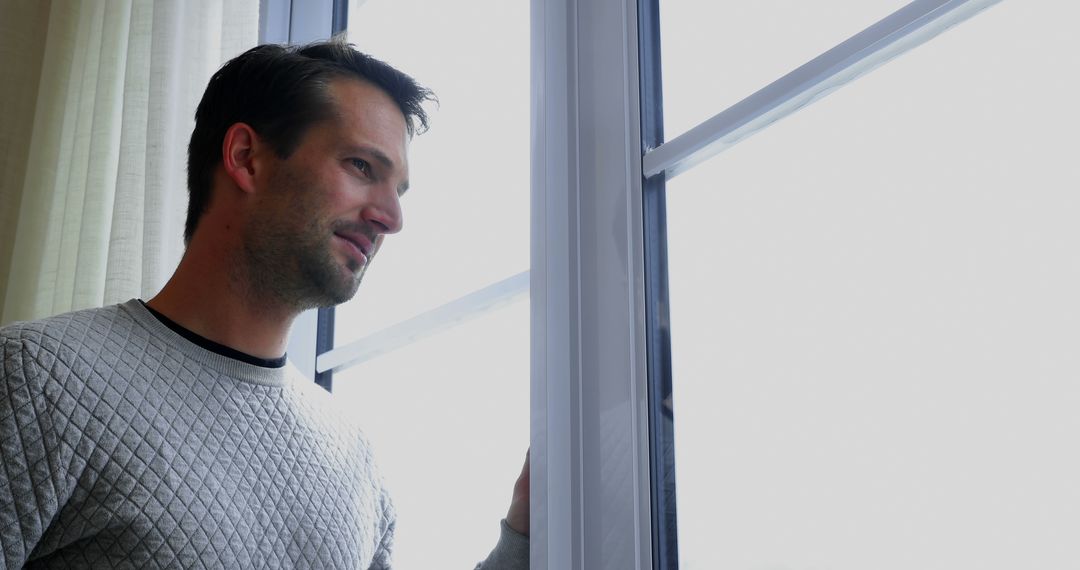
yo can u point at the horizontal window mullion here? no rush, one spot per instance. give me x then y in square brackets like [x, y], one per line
[912, 25]
[438, 319]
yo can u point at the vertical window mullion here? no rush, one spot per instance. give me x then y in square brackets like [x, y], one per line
[590, 404]
[657, 322]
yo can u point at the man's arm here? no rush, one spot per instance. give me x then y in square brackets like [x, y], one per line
[512, 551]
[383, 555]
[518, 515]
[28, 490]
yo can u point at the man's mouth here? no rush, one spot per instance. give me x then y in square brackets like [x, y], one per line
[357, 245]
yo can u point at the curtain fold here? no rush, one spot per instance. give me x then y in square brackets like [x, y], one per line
[93, 193]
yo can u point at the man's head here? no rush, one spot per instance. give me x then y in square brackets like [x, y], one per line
[327, 127]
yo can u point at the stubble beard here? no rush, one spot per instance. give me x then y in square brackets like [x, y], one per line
[299, 272]
[293, 265]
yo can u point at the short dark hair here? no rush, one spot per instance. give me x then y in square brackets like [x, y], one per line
[280, 91]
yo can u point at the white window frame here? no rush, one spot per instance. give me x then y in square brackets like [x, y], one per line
[590, 461]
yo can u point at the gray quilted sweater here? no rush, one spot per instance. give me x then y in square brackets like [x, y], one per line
[125, 445]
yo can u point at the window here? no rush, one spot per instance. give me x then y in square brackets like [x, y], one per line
[866, 335]
[871, 315]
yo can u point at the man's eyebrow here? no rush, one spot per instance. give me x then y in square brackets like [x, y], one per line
[378, 154]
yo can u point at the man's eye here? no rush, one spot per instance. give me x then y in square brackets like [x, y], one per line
[361, 165]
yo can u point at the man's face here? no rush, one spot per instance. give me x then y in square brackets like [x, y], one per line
[323, 212]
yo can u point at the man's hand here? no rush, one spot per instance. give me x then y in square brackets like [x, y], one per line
[518, 515]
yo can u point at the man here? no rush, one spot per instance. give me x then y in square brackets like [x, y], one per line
[172, 433]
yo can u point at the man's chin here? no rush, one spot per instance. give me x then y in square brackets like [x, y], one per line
[330, 286]
[341, 292]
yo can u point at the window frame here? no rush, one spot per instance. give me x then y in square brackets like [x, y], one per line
[904, 29]
[591, 504]
[665, 549]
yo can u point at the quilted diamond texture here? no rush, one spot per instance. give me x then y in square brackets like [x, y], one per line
[126, 446]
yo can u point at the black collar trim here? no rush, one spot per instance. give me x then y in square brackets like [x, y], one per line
[213, 346]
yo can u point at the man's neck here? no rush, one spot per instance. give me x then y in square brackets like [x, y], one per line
[206, 301]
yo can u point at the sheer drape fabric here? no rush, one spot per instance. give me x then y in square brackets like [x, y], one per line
[98, 98]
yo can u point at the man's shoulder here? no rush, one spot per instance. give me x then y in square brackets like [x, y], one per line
[70, 333]
[85, 324]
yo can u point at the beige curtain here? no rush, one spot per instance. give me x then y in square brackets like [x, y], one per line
[98, 99]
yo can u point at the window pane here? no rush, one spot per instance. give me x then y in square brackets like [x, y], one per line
[716, 53]
[448, 417]
[467, 212]
[875, 317]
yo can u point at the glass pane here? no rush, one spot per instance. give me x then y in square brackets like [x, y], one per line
[717, 53]
[448, 418]
[467, 212]
[875, 317]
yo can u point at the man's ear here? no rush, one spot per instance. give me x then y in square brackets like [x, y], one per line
[241, 154]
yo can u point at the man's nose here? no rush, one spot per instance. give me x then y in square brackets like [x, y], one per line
[384, 211]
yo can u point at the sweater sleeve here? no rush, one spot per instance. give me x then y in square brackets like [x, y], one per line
[511, 552]
[383, 556]
[30, 453]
